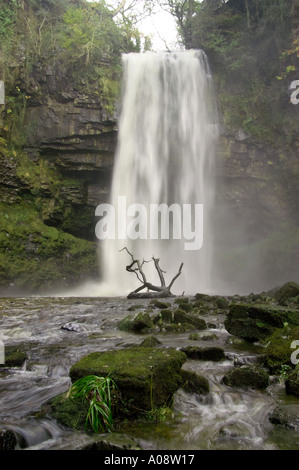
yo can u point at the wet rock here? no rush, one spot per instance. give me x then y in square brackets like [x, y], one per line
[204, 354]
[159, 304]
[114, 441]
[14, 357]
[72, 327]
[180, 316]
[141, 322]
[292, 383]
[247, 377]
[222, 302]
[278, 349]
[194, 383]
[145, 377]
[255, 323]
[8, 440]
[165, 316]
[150, 342]
[287, 291]
[286, 415]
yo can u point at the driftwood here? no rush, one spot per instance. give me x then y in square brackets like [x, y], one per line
[157, 291]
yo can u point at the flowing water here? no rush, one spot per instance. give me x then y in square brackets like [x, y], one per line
[165, 156]
[227, 418]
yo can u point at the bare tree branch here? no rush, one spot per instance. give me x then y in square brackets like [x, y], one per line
[159, 291]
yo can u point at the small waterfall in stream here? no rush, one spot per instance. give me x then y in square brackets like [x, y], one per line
[165, 156]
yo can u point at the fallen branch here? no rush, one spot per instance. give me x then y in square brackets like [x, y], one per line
[136, 267]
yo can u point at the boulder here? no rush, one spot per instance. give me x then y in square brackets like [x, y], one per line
[204, 354]
[255, 323]
[292, 383]
[194, 383]
[146, 377]
[150, 342]
[247, 377]
[286, 415]
[180, 316]
[287, 291]
[14, 357]
[139, 323]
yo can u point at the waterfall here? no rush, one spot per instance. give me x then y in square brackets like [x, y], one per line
[165, 155]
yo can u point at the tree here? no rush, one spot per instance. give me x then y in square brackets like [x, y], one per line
[136, 267]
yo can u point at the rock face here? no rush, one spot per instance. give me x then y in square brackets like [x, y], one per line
[256, 204]
[71, 129]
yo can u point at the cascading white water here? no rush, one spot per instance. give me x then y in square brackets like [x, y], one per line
[165, 155]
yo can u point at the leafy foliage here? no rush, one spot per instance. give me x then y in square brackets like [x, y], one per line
[97, 391]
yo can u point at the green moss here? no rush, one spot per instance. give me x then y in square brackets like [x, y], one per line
[146, 377]
[35, 256]
[247, 376]
[278, 348]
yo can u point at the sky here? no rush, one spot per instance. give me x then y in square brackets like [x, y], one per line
[160, 26]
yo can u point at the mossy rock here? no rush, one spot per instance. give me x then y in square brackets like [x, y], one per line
[181, 300]
[139, 323]
[150, 342]
[247, 377]
[222, 302]
[287, 291]
[286, 416]
[146, 377]
[114, 441]
[204, 354]
[292, 383]
[69, 412]
[165, 316]
[194, 383]
[180, 316]
[159, 304]
[255, 323]
[14, 357]
[278, 348]
[186, 307]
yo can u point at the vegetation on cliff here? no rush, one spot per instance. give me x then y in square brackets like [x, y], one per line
[40, 248]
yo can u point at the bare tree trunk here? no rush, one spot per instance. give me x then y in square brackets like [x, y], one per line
[161, 291]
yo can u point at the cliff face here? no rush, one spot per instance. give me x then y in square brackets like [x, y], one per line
[73, 132]
[256, 214]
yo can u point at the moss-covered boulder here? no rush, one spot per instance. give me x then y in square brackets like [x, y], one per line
[194, 383]
[165, 316]
[287, 291]
[286, 416]
[278, 348]
[142, 322]
[257, 322]
[247, 377]
[14, 357]
[222, 302]
[204, 354]
[180, 316]
[292, 383]
[150, 342]
[145, 377]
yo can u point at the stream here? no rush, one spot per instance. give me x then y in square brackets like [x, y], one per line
[57, 331]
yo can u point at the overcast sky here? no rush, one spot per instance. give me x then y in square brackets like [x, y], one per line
[160, 26]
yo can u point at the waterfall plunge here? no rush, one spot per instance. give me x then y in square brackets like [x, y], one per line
[165, 155]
